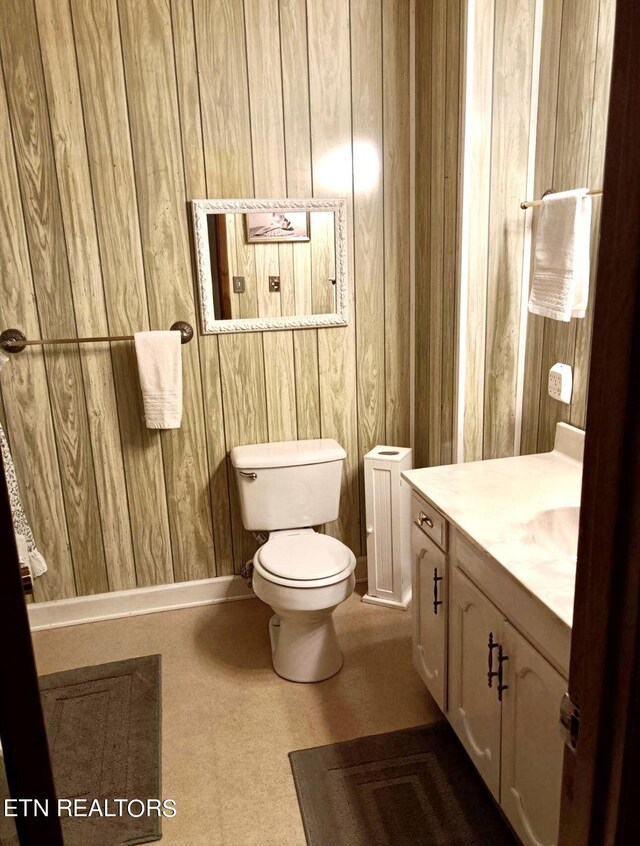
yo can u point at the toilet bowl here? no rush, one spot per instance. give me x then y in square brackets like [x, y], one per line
[285, 488]
[304, 576]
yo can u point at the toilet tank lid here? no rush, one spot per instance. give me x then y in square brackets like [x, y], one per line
[287, 453]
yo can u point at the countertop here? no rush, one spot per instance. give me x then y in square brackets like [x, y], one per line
[500, 505]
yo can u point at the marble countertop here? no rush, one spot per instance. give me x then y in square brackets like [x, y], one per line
[522, 511]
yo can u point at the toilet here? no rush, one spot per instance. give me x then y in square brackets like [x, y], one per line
[285, 489]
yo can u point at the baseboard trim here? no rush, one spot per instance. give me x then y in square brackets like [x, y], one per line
[387, 603]
[148, 600]
[130, 603]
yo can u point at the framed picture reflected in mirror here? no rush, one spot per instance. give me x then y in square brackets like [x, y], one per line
[277, 226]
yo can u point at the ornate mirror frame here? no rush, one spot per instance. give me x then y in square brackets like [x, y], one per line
[208, 322]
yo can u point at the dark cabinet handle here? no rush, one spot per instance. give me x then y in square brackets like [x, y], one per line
[436, 579]
[501, 659]
[492, 673]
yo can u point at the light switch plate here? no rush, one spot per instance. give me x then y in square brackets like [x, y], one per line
[238, 285]
[561, 383]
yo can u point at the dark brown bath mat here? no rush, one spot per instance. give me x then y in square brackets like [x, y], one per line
[103, 725]
[415, 787]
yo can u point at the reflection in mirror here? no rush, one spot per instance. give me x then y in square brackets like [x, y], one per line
[270, 264]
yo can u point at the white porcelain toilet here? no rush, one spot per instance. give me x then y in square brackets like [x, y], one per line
[285, 489]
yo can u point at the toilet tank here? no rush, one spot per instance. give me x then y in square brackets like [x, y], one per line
[288, 484]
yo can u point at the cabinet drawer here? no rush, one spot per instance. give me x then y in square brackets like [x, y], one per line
[429, 520]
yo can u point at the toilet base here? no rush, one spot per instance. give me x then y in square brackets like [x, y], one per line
[304, 645]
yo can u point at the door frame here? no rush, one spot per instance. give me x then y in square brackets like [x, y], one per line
[601, 789]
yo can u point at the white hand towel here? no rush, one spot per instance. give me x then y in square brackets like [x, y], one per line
[560, 287]
[160, 368]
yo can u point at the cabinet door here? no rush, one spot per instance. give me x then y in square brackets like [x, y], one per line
[474, 709]
[532, 747]
[429, 585]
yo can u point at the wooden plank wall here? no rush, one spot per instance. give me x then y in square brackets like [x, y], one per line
[572, 120]
[498, 132]
[439, 66]
[113, 115]
[569, 126]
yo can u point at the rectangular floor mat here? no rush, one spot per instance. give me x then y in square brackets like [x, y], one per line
[415, 787]
[103, 727]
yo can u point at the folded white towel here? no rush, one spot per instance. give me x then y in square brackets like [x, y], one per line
[160, 369]
[560, 287]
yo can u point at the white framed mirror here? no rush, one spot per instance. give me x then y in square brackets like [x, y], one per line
[271, 264]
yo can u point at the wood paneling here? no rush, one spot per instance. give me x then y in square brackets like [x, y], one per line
[368, 210]
[479, 193]
[599, 114]
[436, 199]
[439, 59]
[526, 124]
[452, 222]
[28, 113]
[423, 123]
[294, 46]
[499, 115]
[104, 103]
[116, 114]
[76, 199]
[547, 109]
[511, 125]
[575, 131]
[396, 180]
[27, 412]
[150, 80]
[331, 136]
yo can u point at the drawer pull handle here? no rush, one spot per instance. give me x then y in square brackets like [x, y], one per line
[501, 659]
[436, 579]
[423, 518]
[492, 673]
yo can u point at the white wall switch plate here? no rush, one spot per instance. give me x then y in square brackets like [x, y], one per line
[561, 383]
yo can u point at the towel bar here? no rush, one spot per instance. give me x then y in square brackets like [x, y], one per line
[527, 204]
[14, 341]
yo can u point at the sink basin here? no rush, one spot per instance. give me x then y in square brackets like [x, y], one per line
[556, 531]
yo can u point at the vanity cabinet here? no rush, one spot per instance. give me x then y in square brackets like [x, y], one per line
[500, 694]
[504, 700]
[429, 589]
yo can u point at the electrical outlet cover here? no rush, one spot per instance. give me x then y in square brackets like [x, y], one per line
[561, 383]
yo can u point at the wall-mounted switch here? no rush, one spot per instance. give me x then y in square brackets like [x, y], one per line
[561, 383]
[274, 284]
[238, 285]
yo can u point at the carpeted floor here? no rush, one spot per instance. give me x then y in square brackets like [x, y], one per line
[103, 726]
[415, 787]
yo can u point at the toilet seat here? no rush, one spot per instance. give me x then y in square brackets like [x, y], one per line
[304, 559]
